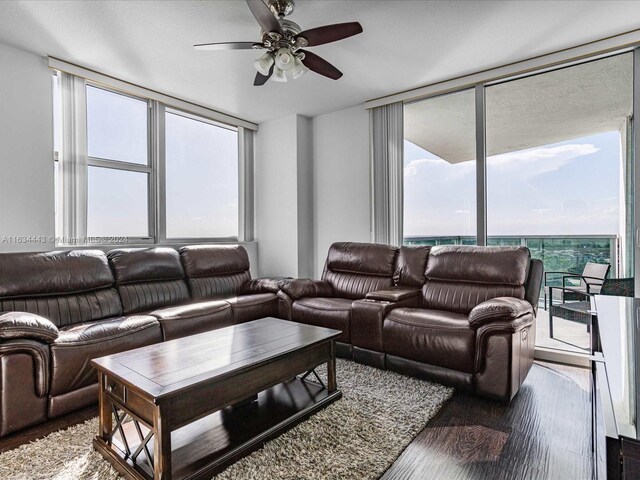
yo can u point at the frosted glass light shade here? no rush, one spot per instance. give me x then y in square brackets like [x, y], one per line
[263, 64]
[278, 75]
[285, 59]
[298, 69]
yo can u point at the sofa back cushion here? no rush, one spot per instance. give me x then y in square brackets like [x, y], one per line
[459, 278]
[215, 271]
[148, 278]
[410, 266]
[65, 287]
[355, 269]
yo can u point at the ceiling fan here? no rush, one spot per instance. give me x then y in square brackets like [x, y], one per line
[284, 41]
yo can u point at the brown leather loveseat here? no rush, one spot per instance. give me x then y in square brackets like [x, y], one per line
[462, 316]
[58, 310]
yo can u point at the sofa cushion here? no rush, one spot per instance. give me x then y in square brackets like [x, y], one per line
[324, 312]
[430, 336]
[64, 287]
[215, 271]
[252, 307]
[75, 346]
[460, 297]
[492, 265]
[355, 269]
[64, 310]
[142, 297]
[51, 273]
[199, 317]
[135, 265]
[148, 278]
[361, 258]
[459, 278]
[208, 260]
[410, 266]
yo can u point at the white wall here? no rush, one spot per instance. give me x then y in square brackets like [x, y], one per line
[283, 197]
[26, 151]
[341, 180]
[305, 197]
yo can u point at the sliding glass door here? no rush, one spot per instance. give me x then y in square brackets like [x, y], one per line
[558, 173]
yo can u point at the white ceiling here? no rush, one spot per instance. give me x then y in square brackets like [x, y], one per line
[405, 44]
[565, 104]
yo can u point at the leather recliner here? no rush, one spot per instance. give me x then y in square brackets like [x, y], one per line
[351, 271]
[59, 310]
[462, 316]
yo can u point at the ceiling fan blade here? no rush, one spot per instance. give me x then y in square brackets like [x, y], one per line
[228, 46]
[320, 65]
[265, 18]
[262, 79]
[330, 33]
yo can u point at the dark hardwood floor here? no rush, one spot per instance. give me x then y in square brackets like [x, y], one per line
[545, 433]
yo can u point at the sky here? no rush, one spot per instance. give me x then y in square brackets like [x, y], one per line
[566, 188]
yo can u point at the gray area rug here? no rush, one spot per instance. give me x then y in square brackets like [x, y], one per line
[357, 437]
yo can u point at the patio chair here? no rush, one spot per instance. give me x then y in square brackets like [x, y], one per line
[591, 280]
[581, 311]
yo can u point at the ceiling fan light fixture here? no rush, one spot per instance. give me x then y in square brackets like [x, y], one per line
[263, 64]
[285, 59]
[278, 75]
[298, 69]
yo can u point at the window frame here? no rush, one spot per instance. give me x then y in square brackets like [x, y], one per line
[156, 174]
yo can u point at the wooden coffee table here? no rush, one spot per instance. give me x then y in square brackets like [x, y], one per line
[187, 408]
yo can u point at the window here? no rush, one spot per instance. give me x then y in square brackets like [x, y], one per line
[118, 168]
[138, 171]
[116, 126]
[440, 170]
[117, 203]
[201, 165]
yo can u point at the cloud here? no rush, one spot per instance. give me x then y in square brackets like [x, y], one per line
[542, 160]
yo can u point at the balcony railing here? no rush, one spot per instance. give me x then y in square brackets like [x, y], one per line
[568, 253]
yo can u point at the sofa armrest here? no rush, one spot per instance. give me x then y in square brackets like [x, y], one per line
[264, 285]
[27, 325]
[395, 294]
[501, 309]
[39, 352]
[305, 287]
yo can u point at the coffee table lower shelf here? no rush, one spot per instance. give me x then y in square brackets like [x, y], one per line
[209, 445]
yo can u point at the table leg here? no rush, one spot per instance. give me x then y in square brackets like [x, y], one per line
[161, 446]
[331, 370]
[105, 413]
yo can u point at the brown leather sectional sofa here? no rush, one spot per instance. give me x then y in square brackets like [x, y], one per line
[61, 309]
[462, 316]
